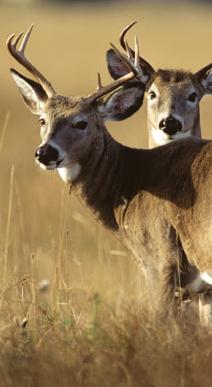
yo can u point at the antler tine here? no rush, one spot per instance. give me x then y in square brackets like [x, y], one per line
[130, 52]
[16, 39]
[127, 61]
[25, 39]
[19, 55]
[103, 90]
[99, 82]
[137, 57]
[123, 33]
[134, 61]
[111, 87]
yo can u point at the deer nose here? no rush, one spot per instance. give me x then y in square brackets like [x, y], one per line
[170, 125]
[46, 153]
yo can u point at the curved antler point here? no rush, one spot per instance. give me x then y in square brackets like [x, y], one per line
[9, 40]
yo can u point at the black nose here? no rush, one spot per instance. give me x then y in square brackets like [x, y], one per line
[170, 125]
[46, 153]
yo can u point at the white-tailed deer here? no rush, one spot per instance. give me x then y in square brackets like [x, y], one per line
[173, 96]
[157, 201]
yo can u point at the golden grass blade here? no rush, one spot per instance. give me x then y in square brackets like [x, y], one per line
[9, 215]
[4, 128]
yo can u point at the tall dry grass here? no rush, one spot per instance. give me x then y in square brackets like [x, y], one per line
[73, 308]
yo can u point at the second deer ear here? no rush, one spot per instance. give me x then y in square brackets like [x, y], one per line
[32, 92]
[117, 67]
[122, 103]
[204, 77]
[207, 82]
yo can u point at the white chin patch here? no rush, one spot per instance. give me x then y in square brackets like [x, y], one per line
[161, 138]
[42, 166]
[69, 174]
[48, 167]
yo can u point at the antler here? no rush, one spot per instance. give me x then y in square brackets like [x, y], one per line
[103, 90]
[123, 33]
[130, 51]
[19, 55]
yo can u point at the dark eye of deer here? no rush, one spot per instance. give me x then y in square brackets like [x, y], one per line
[42, 121]
[152, 95]
[81, 125]
[192, 97]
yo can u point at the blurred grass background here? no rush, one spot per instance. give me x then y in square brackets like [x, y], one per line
[47, 234]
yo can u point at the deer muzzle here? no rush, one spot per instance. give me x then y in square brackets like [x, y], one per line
[170, 125]
[47, 155]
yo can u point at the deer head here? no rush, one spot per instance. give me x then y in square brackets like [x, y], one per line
[173, 96]
[72, 127]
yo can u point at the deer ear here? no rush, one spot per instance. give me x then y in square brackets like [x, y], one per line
[117, 67]
[206, 82]
[204, 77]
[123, 103]
[32, 92]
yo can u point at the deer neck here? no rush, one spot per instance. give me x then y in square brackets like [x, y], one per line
[108, 178]
[196, 130]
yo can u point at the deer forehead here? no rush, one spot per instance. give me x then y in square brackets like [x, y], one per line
[175, 95]
[67, 107]
[172, 83]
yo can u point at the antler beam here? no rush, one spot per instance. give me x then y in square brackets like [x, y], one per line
[103, 90]
[130, 52]
[19, 55]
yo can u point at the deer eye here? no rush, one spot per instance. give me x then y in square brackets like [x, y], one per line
[42, 121]
[81, 125]
[152, 95]
[192, 97]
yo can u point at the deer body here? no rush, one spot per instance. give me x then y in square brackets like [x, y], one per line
[173, 98]
[142, 207]
[146, 210]
[147, 197]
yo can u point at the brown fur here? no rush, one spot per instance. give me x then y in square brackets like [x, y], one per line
[156, 201]
[141, 194]
[170, 75]
[168, 94]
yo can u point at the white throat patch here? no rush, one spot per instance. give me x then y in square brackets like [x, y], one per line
[69, 174]
[161, 138]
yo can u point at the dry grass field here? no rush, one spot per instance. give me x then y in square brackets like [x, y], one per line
[93, 326]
